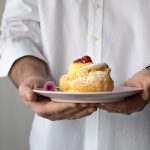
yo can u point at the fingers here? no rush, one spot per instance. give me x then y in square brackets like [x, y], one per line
[73, 114]
[83, 113]
[27, 94]
[145, 85]
[46, 108]
[124, 83]
[128, 106]
[129, 83]
[142, 80]
[57, 111]
[146, 90]
[26, 88]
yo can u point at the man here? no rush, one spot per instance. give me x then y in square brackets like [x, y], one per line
[39, 40]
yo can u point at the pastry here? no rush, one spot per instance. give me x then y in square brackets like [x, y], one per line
[85, 76]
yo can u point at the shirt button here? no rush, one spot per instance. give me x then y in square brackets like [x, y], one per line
[94, 38]
[97, 6]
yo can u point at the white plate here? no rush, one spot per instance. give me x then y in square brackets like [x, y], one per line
[118, 94]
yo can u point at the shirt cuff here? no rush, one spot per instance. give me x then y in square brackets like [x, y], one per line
[14, 51]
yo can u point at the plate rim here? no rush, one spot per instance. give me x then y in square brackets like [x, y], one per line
[128, 89]
[80, 97]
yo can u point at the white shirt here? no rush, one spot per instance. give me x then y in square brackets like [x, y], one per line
[58, 31]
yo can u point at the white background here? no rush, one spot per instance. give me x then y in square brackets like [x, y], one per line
[15, 117]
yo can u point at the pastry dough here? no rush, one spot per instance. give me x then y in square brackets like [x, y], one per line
[87, 77]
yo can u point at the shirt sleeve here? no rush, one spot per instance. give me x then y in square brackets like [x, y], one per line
[20, 33]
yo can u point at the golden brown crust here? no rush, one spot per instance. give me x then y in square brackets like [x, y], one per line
[88, 78]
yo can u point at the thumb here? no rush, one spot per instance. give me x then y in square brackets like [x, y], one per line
[26, 93]
[124, 83]
[145, 94]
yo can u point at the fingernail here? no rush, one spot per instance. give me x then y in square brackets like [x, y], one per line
[84, 105]
[145, 96]
[92, 110]
[94, 105]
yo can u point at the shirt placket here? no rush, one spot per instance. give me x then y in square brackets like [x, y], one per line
[95, 24]
[94, 49]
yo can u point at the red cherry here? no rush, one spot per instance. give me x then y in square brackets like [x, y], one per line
[86, 59]
[77, 61]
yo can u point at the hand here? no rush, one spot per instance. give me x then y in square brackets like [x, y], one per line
[134, 103]
[46, 108]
